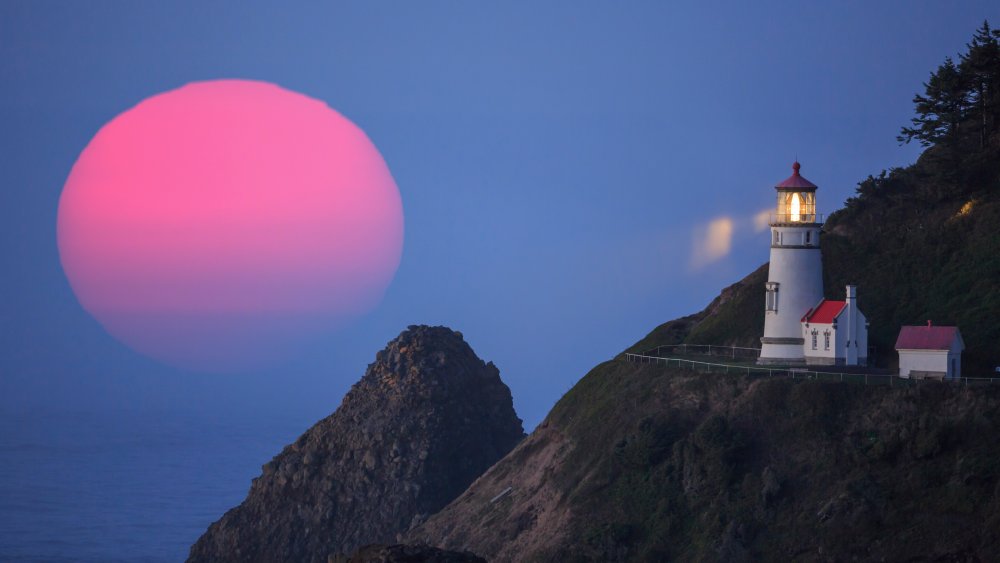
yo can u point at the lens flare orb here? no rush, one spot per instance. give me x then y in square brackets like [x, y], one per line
[221, 225]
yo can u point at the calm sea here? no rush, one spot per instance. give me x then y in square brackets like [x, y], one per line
[126, 486]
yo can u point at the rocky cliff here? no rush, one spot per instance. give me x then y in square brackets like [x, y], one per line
[648, 463]
[427, 418]
[406, 554]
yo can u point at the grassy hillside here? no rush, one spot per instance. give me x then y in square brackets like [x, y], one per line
[734, 318]
[722, 468]
[644, 463]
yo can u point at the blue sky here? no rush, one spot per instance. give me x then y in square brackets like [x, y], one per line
[555, 161]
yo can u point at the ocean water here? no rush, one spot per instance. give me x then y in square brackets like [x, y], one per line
[126, 486]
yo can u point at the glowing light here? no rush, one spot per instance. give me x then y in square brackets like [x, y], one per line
[712, 242]
[796, 207]
[218, 225]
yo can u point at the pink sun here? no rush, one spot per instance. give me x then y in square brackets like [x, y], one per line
[217, 225]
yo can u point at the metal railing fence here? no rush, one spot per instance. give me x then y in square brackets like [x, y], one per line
[705, 350]
[801, 373]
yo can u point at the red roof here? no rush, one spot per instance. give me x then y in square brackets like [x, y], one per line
[796, 182]
[825, 312]
[926, 337]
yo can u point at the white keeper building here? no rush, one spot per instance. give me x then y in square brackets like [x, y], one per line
[836, 332]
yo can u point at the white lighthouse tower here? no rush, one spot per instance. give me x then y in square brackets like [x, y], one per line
[795, 275]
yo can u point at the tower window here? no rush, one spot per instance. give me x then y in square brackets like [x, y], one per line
[826, 340]
[771, 300]
[796, 207]
[808, 237]
[777, 239]
[814, 334]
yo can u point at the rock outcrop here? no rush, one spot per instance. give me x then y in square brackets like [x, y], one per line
[643, 462]
[406, 554]
[427, 418]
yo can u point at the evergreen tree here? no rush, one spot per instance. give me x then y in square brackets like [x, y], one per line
[940, 110]
[980, 68]
[960, 107]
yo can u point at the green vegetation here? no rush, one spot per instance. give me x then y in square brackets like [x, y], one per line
[922, 241]
[734, 318]
[961, 103]
[669, 464]
[738, 320]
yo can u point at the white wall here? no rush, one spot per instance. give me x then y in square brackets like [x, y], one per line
[821, 354]
[862, 338]
[955, 353]
[795, 236]
[923, 360]
[956, 371]
[933, 360]
[799, 273]
[837, 354]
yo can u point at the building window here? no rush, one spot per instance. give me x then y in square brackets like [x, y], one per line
[814, 334]
[808, 237]
[826, 340]
[771, 301]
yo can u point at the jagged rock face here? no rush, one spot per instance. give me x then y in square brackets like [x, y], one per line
[406, 554]
[640, 462]
[427, 418]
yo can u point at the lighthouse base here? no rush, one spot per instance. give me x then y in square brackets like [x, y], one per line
[781, 352]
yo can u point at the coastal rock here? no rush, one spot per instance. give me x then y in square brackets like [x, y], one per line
[427, 418]
[406, 554]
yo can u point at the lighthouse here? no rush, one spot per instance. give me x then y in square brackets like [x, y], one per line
[795, 276]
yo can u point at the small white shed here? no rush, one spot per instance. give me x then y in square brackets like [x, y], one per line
[930, 352]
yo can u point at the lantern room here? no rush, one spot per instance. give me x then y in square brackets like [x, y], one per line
[796, 201]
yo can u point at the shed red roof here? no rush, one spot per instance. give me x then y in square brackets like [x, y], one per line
[926, 337]
[795, 181]
[825, 312]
